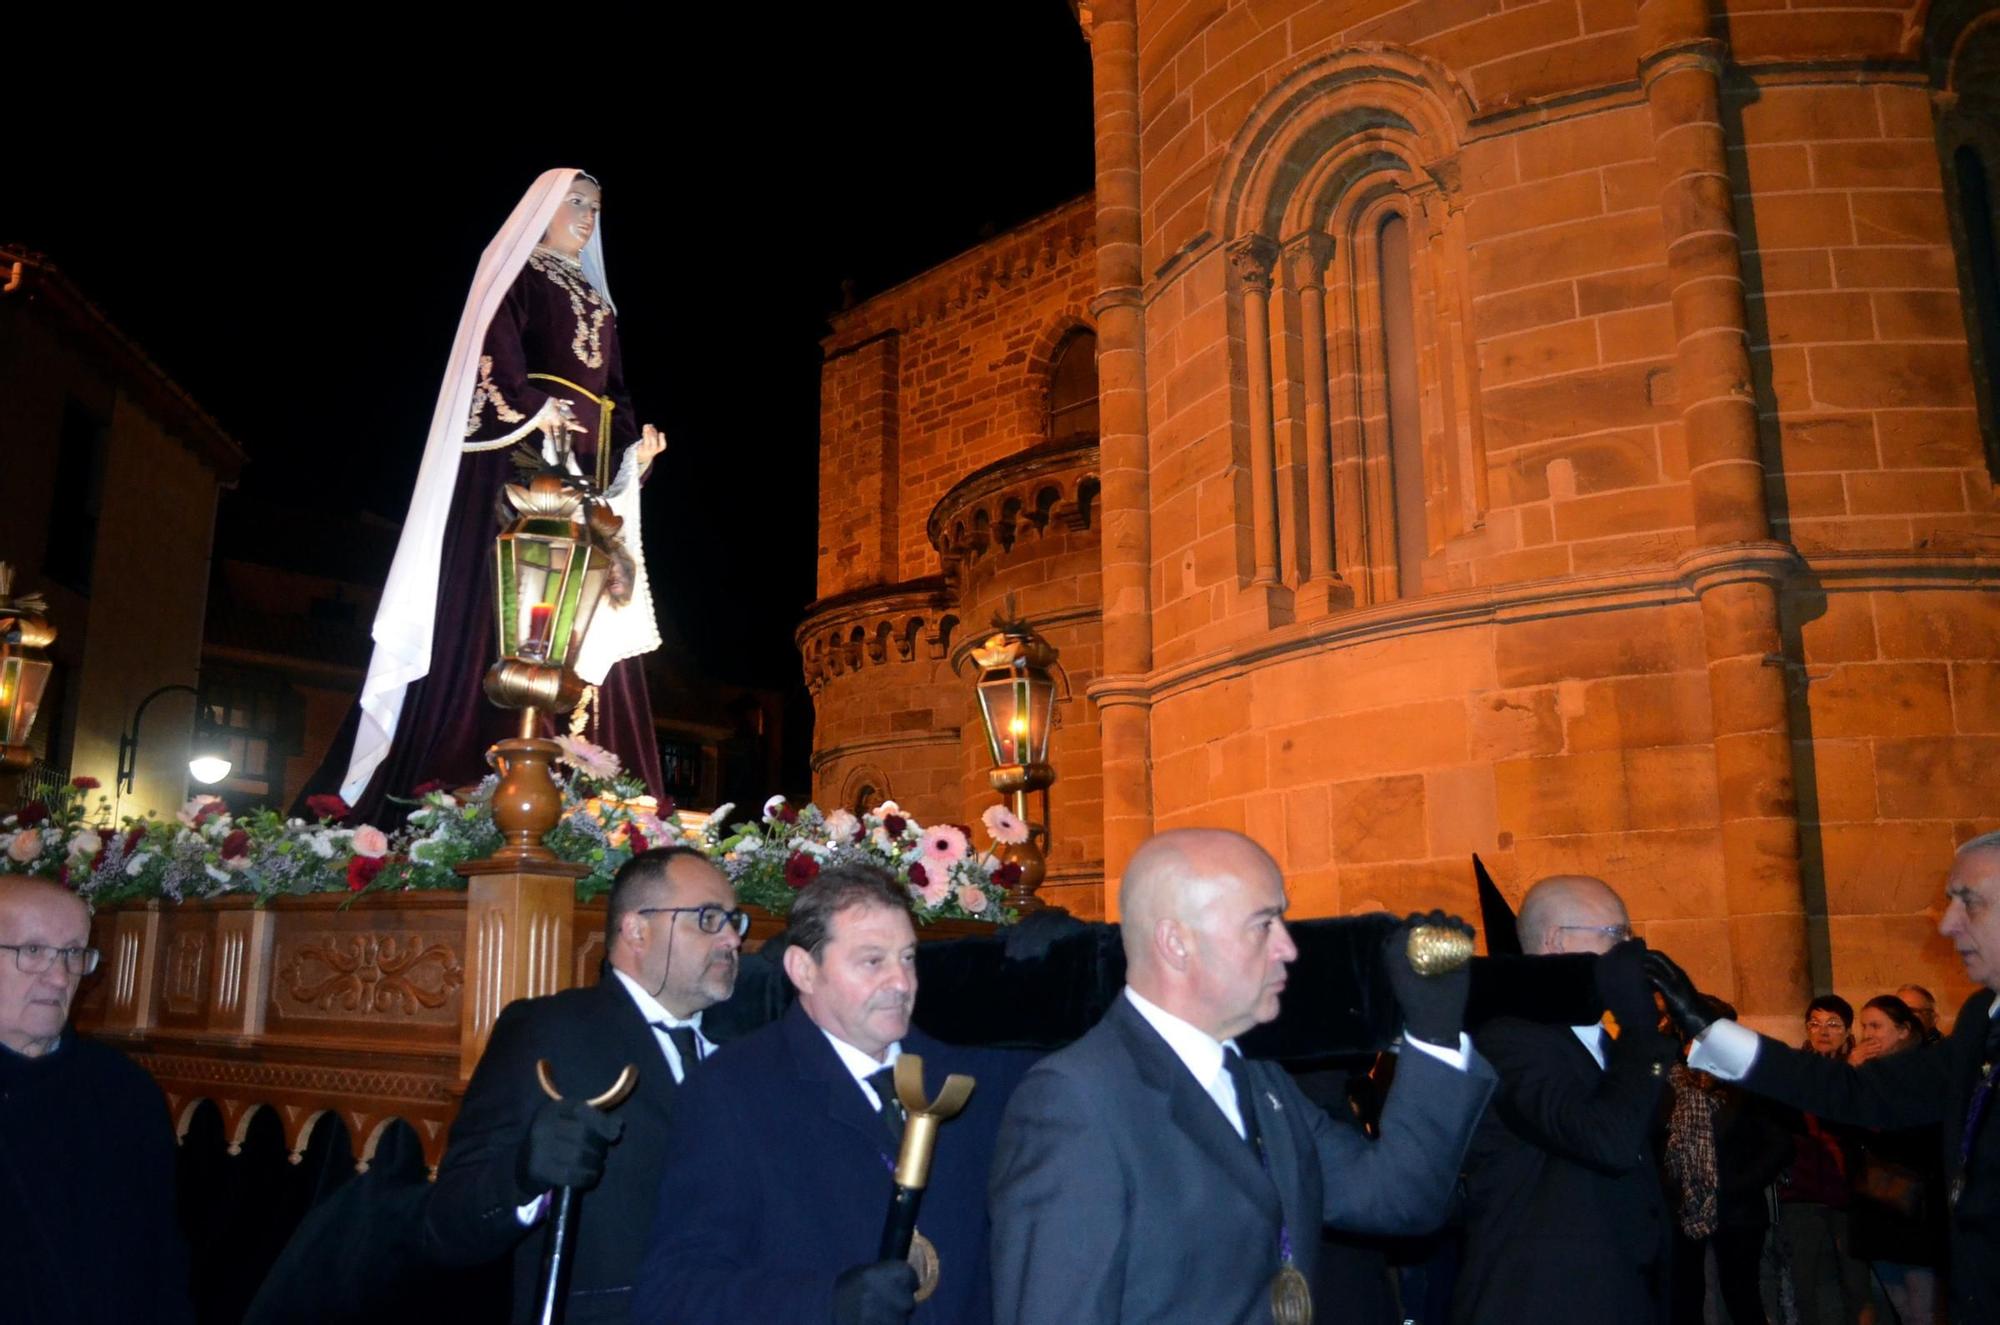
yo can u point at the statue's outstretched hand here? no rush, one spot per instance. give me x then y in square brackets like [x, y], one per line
[651, 442]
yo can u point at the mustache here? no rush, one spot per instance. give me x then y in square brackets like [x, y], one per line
[891, 1003]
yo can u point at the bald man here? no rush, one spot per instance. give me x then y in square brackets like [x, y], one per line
[1148, 1173]
[1563, 1196]
[87, 1228]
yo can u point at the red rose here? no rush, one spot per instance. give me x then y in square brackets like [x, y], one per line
[210, 810]
[236, 846]
[801, 870]
[894, 825]
[421, 790]
[133, 837]
[31, 814]
[85, 783]
[327, 807]
[919, 876]
[361, 871]
[787, 815]
[667, 806]
[635, 839]
[1007, 875]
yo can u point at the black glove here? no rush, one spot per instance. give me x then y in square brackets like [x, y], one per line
[884, 1293]
[565, 1147]
[1433, 1005]
[1685, 1003]
[1622, 985]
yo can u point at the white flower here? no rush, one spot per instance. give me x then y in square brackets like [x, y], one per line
[85, 843]
[138, 863]
[719, 819]
[321, 844]
[840, 826]
[773, 805]
[220, 876]
[881, 841]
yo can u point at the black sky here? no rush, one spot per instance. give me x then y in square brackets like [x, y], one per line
[288, 222]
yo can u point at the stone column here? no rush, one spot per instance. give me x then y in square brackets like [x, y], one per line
[1737, 569]
[1324, 590]
[1251, 258]
[1125, 501]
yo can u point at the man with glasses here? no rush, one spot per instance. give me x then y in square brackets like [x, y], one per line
[86, 1147]
[673, 934]
[1564, 1209]
[781, 1158]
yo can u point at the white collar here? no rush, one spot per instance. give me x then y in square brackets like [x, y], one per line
[651, 1008]
[1592, 1037]
[1195, 1047]
[859, 1064]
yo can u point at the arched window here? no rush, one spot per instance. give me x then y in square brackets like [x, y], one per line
[1073, 388]
[1964, 53]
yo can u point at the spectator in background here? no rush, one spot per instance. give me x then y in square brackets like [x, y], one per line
[1830, 1285]
[1920, 1001]
[1897, 1216]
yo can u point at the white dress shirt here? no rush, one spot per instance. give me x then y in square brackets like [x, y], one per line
[1593, 1039]
[860, 1065]
[655, 1012]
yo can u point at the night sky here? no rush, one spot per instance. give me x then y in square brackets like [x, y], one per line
[291, 234]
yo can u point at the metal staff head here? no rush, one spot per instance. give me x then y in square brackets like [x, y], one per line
[922, 1118]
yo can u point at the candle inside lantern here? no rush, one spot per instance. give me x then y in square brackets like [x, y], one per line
[540, 617]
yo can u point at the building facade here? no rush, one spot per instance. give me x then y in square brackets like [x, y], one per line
[1560, 431]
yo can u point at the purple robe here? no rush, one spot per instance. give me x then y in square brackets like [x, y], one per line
[551, 322]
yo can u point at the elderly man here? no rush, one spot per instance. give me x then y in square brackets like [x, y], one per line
[1924, 1003]
[673, 934]
[782, 1151]
[1149, 1173]
[86, 1148]
[1951, 1083]
[1563, 1197]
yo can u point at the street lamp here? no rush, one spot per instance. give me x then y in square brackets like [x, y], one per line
[1017, 698]
[208, 756]
[549, 572]
[24, 632]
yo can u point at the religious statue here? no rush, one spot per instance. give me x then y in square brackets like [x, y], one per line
[535, 367]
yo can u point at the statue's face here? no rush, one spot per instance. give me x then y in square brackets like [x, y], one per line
[575, 219]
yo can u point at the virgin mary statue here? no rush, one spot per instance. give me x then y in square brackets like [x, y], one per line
[536, 361]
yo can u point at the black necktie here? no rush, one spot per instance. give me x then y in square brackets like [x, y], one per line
[684, 1044]
[883, 1083]
[1239, 1076]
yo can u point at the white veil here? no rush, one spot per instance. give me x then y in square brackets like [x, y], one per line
[404, 621]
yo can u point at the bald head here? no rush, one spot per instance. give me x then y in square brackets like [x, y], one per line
[1571, 913]
[37, 919]
[1201, 914]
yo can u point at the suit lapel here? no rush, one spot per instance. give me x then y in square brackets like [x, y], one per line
[634, 1041]
[1191, 1108]
[820, 1070]
[1281, 1147]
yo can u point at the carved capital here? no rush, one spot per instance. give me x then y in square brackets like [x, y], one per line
[1252, 258]
[1306, 257]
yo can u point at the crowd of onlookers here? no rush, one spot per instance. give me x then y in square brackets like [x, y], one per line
[1781, 1216]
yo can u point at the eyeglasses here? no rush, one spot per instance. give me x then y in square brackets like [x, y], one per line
[34, 958]
[709, 917]
[1616, 933]
[1827, 1025]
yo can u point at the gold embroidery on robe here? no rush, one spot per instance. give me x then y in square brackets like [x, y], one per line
[486, 390]
[584, 301]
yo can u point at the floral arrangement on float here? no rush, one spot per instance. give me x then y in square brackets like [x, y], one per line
[206, 851]
[948, 879]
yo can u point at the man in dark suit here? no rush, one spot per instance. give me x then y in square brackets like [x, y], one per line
[782, 1150]
[1148, 1173]
[1563, 1197]
[1952, 1083]
[673, 936]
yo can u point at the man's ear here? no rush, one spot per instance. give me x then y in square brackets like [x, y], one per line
[1171, 942]
[801, 968]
